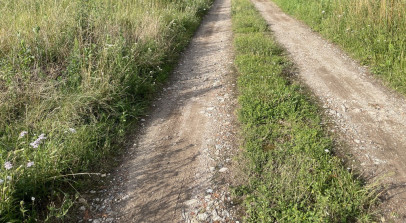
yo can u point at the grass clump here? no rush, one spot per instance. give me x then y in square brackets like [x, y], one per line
[373, 31]
[293, 176]
[73, 76]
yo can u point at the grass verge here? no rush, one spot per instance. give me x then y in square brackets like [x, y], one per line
[374, 32]
[293, 176]
[74, 75]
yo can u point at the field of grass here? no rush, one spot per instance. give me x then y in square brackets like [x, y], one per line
[292, 173]
[74, 74]
[373, 31]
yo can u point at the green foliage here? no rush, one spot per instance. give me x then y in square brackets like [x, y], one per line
[79, 72]
[373, 31]
[293, 176]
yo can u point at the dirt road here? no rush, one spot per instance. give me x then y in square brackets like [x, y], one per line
[370, 118]
[188, 139]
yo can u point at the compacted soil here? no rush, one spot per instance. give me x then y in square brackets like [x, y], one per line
[370, 118]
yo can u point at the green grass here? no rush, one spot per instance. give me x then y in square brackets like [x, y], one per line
[80, 72]
[373, 31]
[292, 174]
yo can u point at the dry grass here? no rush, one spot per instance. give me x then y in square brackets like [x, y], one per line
[78, 71]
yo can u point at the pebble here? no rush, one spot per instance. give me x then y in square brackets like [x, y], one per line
[224, 169]
[82, 208]
[215, 216]
[202, 217]
[343, 108]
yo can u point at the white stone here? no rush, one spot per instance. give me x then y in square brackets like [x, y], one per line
[202, 217]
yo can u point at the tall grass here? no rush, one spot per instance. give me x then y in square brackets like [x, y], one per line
[374, 31]
[292, 175]
[73, 75]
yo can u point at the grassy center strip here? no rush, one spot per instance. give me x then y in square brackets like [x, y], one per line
[292, 174]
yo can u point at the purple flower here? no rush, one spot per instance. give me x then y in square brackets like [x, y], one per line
[22, 134]
[8, 165]
[41, 137]
[36, 143]
[30, 164]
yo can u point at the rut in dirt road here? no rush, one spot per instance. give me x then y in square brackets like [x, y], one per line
[370, 117]
[170, 161]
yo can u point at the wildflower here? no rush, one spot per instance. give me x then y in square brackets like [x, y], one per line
[33, 198]
[1, 181]
[323, 11]
[30, 164]
[36, 143]
[22, 134]
[72, 130]
[8, 178]
[41, 137]
[326, 150]
[8, 165]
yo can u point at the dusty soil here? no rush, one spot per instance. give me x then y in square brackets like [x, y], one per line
[369, 117]
[178, 167]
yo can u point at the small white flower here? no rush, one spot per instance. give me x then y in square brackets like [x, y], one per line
[1, 181]
[33, 198]
[41, 137]
[9, 178]
[22, 134]
[8, 165]
[36, 143]
[72, 130]
[326, 150]
[323, 11]
[30, 164]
